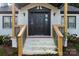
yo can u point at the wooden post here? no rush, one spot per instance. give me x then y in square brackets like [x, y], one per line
[13, 19]
[65, 19]
[20, 50]
[60, 46]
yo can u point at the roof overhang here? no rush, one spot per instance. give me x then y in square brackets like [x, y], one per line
[70, 12]
[20, 5]
[7, 12]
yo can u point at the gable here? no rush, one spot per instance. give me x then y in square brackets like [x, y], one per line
[20, 5]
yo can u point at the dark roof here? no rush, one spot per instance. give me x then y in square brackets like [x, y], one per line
[20, 5]
[7, 10]
[71, 10]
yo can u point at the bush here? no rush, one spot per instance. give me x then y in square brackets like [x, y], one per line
[7, 41]
[71, 37]
[76, 46]
[1, 40]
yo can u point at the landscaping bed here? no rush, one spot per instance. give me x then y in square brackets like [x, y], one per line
[8, 51]
[6, 47]
[73, 46]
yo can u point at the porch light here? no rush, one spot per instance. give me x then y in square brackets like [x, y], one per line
[38, 7]
[41, 7]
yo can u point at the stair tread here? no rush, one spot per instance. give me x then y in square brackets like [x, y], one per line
[39, 46]
[40, 52]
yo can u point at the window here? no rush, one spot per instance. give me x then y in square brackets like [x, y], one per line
[7, 21]
[71, 21]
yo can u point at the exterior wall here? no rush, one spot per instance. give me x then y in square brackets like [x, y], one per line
[24, 19]
[74, 31]
[4, 31]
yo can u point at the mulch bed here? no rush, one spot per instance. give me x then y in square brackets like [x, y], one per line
[7, 51]
[68, 51]
[71, 50]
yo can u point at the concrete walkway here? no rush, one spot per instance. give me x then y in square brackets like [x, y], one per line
[39, 46]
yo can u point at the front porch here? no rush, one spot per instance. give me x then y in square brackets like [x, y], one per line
[38, 44]
[31, 45]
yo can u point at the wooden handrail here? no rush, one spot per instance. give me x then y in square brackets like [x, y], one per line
[59, 40]
[20, 40]
[22, 30]
[57, 31]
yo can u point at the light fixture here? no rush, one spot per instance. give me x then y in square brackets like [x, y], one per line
[23, 14]
[39, 7]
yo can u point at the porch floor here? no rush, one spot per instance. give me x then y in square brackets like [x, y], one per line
[37, 45]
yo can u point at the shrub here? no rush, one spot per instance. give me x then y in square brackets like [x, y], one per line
[76, 46]
[1, 40]
[71, 37]
[7, 41]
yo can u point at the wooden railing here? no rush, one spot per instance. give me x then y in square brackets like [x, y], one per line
[58, 37]
[17, 29]
[21, 39]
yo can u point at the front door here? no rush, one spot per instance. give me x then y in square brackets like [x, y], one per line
[39, 23]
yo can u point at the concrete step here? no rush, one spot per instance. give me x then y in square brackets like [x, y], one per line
[39, 46]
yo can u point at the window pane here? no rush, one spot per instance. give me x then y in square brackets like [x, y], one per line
[6, 22]
[6, 25]
[72, 23]
[71, 19]
[7, 19]
[62, 20]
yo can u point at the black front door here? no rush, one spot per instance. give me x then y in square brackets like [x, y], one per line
[39, 23]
